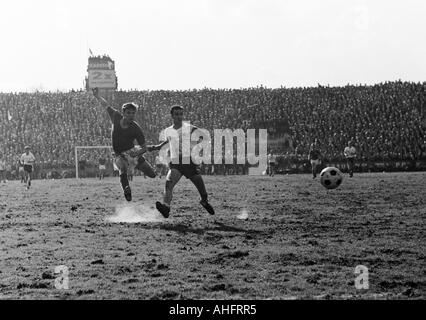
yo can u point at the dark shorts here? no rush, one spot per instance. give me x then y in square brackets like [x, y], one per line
[28, 168]
[188, 170]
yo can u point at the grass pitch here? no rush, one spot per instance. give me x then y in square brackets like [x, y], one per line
[283, 237]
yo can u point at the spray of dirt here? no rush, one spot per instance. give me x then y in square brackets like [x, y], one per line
[134, 213]
[243, 215]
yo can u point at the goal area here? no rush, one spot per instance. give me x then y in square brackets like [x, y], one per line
[80, 148]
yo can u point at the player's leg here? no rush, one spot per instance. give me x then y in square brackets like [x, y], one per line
[172, 178]
[28, 176]
[145, 167]
[122, 165]
[198, 181]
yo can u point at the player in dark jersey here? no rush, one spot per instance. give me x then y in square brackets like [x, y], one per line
[125, 130]
[314, 157]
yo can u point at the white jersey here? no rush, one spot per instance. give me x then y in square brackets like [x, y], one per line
[174, 137]
[350, 152]
[28, 159]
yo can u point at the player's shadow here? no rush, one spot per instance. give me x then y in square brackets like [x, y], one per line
[182, 228]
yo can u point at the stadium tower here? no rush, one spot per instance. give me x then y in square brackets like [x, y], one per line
[101, 74]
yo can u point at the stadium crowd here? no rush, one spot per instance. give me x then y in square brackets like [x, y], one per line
[386, 121]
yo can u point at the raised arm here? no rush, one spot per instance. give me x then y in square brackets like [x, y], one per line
[102, 100]
[111, 111]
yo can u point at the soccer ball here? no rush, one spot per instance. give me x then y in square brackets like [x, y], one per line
[331, 177]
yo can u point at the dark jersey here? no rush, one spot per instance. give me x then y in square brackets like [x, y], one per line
[314, 154]
[122, 139]
[102, 161]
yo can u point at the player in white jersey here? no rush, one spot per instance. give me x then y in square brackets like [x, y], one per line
[271, 163]
[28, 160]
[180, 164]
[350, 154]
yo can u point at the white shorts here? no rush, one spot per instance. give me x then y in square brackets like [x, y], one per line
[316, 162]
[125, 163]
[102, 167]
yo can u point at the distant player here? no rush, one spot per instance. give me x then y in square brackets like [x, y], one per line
[2, 170]
[125, 130]
[102, 167]
[21, 172]
[314, 157]
[28, 161]
[350, 154]
[271, 164]
[177, 168]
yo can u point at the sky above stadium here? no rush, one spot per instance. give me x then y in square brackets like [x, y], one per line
[187, 44]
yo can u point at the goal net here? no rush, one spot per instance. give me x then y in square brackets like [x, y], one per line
[87, 159]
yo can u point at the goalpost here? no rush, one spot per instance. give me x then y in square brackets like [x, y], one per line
[85, 147]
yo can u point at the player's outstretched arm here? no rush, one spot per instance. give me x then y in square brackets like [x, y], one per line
[156, 147]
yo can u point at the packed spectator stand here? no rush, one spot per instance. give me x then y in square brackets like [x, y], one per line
[386, 121]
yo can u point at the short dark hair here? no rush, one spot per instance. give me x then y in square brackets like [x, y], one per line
[130, 105]
[175, 107]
